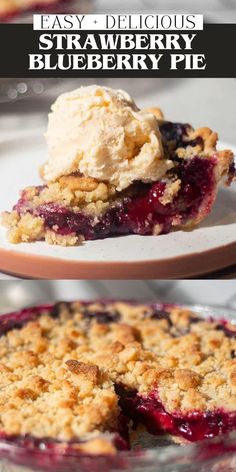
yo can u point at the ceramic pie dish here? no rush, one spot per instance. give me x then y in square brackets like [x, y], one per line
[85, 382]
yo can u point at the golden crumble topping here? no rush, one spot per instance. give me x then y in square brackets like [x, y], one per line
[23, 228]
[59, 371]
[45, 391]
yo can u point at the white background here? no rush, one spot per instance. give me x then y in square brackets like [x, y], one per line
[214, 10]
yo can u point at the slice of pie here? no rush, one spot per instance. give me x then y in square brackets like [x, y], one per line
[116, 170]
[81, 378]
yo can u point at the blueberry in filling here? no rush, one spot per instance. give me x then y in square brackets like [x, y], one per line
[103, 317]
[140, 213]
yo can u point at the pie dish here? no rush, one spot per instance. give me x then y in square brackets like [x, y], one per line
[73, 206]
[85, 378]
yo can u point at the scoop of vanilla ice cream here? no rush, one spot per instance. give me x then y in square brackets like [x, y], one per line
[101, 133]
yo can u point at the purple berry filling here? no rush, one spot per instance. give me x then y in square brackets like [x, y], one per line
[102, 317]
[192, 427]
[144, 211]
[232, 172]
[228, 332]
[18, 319]
[141, 213]
[178, 134]
[174, 132]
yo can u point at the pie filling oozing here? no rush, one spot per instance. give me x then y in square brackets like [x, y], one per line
[80, 378]
[194, 426]
[76, 208]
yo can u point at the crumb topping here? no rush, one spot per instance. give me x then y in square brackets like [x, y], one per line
[46, 391]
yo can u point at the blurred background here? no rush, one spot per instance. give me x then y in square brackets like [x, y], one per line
[16, 294]
[214, 10]
[24, 105]
[204, 97]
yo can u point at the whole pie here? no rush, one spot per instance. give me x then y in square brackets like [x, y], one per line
[85, 377]
[116, 170]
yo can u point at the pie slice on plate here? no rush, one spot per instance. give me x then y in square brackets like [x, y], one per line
[116, 170]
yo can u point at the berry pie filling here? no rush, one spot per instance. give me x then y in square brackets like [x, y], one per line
[133, 174]
[81, 378]
[194, 426]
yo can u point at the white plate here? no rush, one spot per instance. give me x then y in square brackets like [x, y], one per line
[179, 254]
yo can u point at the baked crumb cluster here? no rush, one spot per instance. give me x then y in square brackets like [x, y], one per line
[46, 391]
[75, 208]
[73, 191]
[60, 371]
